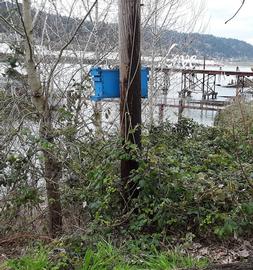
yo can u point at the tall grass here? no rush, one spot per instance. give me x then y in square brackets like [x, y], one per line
[37, 260]
[107, 257]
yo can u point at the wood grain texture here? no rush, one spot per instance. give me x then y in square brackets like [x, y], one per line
[130, 80]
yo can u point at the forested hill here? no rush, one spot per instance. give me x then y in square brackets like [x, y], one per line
[214, 47]
[192, 44]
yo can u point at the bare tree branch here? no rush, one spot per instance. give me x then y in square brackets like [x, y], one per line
[67, 44]
[25, 30]
[243, 1]
[11, 26]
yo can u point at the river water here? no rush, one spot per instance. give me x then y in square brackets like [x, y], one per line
[206, 117]
[110, 109]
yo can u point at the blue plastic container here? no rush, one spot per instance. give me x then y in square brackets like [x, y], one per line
[107, 85]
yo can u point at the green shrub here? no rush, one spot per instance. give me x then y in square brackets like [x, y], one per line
[190, 179]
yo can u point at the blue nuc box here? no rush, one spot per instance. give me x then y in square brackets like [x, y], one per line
[107, 85]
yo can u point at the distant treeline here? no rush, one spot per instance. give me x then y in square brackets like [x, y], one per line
[59, 29]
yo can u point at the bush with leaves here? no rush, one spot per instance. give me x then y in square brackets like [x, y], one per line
[190, 179]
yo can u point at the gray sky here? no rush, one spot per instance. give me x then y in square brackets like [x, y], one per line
[216, 13]
[241, 27]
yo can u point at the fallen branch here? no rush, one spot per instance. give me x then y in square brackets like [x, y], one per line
[230, 266]
[23, 236]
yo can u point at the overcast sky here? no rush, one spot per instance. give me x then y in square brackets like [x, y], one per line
[216, 13]
[241, 27]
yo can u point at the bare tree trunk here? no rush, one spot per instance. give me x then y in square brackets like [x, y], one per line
[98, 104]
[52, 168]
[152, 90]
[53, 174]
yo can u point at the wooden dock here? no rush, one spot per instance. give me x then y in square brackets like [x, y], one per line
[218, 72]
[207, 72]
[208, 105]
[204, 81]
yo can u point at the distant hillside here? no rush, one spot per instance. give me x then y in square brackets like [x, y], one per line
[211, 46]
[201, 45]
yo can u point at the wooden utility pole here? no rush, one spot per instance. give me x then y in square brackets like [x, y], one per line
[130, 83]
[203, 82]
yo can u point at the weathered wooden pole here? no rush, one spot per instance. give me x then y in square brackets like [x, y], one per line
[130, 82]
[203, 81]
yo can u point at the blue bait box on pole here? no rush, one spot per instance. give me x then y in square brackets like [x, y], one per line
[107, 85]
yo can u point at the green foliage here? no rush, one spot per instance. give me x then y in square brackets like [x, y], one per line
[42, 258]
[191, 179]
[36, 261]
[174, 260]
[107, 257]
[104, 256]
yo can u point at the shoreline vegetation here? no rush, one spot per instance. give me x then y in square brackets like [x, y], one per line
[115, 185]
[195, 186]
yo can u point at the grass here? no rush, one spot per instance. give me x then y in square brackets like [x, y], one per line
[37, 260]
[104, 257]
[173, 260]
